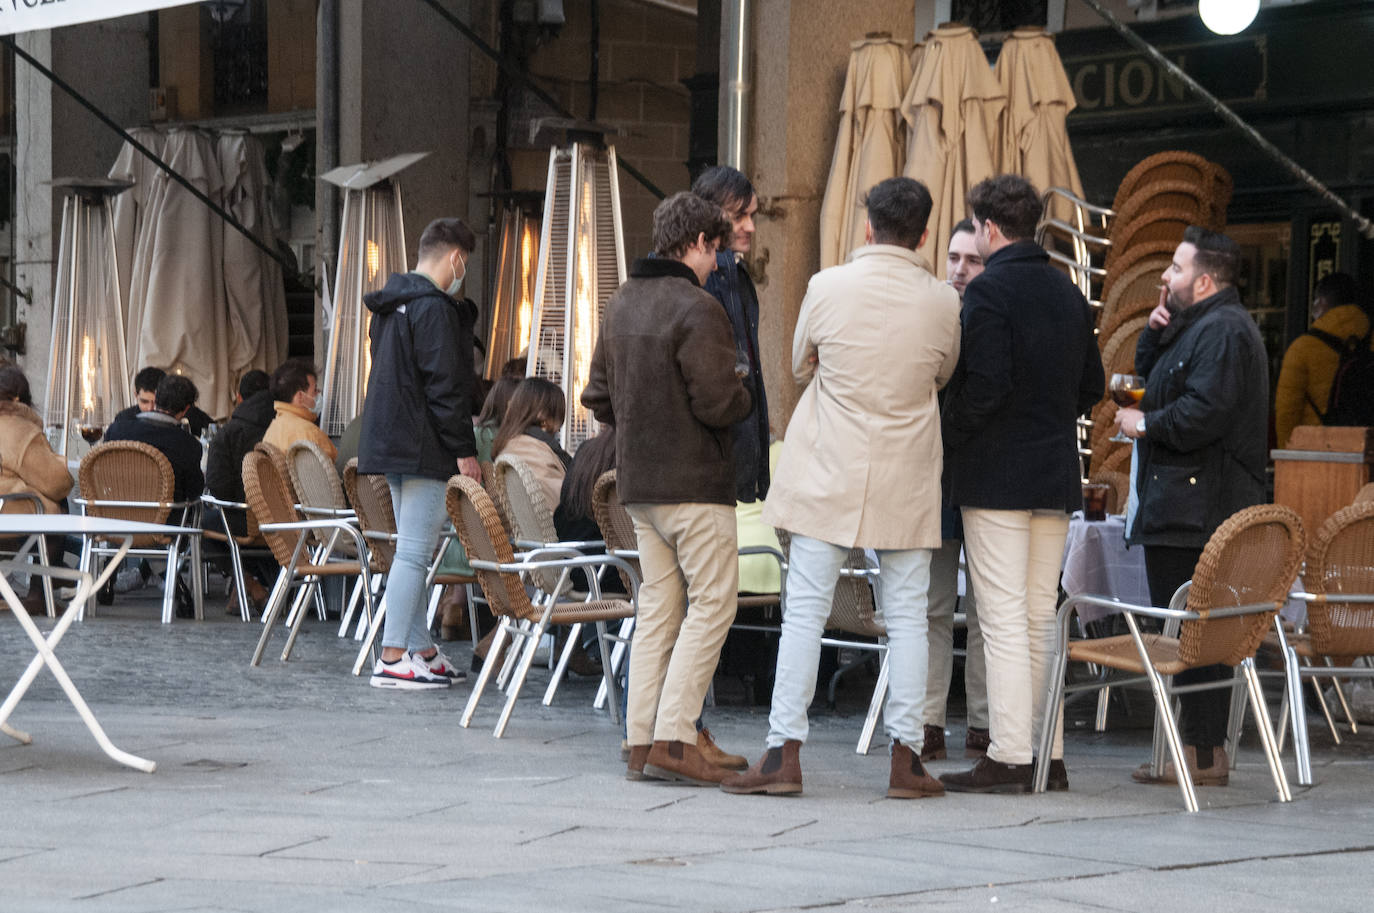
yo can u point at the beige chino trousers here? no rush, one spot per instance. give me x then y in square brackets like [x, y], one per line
[687, 602]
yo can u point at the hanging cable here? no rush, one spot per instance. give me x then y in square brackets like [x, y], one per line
[1362, 224]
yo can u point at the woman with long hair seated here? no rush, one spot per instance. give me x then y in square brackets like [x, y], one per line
[534, 416]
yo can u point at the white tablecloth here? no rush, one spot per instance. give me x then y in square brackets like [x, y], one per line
[1097, 562]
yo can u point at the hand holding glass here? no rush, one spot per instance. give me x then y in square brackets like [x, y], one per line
[1125, 390]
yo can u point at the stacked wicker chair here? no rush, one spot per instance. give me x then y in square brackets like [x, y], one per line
[1156, 201]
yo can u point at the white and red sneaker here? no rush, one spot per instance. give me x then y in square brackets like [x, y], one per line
[440, 664]
[409, 672]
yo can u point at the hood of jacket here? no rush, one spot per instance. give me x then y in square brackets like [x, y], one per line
[403, 288]
[1343, 321]
[16, 409]
[256, 409]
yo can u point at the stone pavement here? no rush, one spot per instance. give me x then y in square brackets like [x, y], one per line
[296, 787]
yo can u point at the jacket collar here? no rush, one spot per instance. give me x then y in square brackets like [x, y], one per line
[1200, 309]
[17, 409]
[157, 418]
[662, 268]
[1025, 249]
[891, 250]
[293, 409]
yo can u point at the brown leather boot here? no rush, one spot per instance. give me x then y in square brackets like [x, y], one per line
[634, 766]
[909, 779]
[933, 743]
[680, 762]
[777, 773]
[976, 743]
[1219, 774]
[715, 755]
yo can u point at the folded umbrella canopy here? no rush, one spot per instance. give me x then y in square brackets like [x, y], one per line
[869, 145]
[131, 210]
[1034, 142]
[952, 110]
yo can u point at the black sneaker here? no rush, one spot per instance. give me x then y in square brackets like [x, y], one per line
[989, 776]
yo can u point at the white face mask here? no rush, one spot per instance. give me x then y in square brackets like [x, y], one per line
[457, 284]
[318, 405]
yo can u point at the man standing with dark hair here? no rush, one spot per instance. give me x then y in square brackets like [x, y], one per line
[417, 430]
[860, 468]
[663, 374]
[1029, 368]
[1200, 437]
[1302, 395]
[299, 402]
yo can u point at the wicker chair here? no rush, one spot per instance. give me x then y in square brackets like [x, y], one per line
[269, 496]
[1339, 584]
[1240, 582]
[852, 612]
[1163, 226]
[319, 490]
[371, 499]
[24, 502]
[251, 541]
[498, 571]
[129, 480]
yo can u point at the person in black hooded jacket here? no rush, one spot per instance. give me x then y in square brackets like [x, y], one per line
[417, 430]
[245, 428]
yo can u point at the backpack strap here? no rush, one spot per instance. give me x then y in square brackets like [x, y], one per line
[1331, 339]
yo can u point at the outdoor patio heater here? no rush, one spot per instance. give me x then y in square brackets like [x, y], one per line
[581, 263]
[88, 371]
[512, 312]
[372, 246]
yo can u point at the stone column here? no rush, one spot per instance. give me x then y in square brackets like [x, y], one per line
[35, 245]
[800, 53]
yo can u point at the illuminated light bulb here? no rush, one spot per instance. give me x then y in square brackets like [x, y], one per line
[374, 260]
[1227, 17]
[87, 374]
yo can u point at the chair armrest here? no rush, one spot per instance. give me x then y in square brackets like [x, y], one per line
[339, 512]
[29, 496]
[341, 525]
[1334, 597]
[1072, 603]
[213, 501]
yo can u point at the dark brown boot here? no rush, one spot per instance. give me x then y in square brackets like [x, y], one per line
[680, 762]
[976, 743]
[909, 779]
[933, 743]
[989, 776]
[634, 766]
[777, 773]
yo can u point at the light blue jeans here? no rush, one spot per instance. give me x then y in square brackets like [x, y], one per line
[419, 505]
[813, 568]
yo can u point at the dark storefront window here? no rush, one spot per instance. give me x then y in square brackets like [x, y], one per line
[238, 44]
[999, 15]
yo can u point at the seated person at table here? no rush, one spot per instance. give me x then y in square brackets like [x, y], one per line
[533, 418]
[145, 392]
[253, 412]
[296, 389]
[27, 463]
[161, 428]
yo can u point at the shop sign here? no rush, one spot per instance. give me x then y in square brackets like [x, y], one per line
[1131, 82]
[28, 15]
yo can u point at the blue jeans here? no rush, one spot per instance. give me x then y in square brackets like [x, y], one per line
[813, 568]
[419, 506]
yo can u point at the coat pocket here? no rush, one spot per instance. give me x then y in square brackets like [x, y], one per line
[1175, 500]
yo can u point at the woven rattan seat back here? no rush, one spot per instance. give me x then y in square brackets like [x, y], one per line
[283, 465]
[852, 609]
[1341, 560]
[1187, 196]
[1136, 292]
[370, 496]
[1127, 259]
[1156, 226]
[497, 492]
[1252, 558]
[531, 519]
[269, 496]
[128, 471]
[314, 477]
[614, 521]
[1118, 350]
[484, 539]
[1185, 167]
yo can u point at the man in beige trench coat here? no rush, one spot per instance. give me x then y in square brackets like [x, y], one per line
[876, 338]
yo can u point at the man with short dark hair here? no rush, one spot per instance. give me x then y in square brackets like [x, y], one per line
[1201, 453]
[161, 427]
[963, 264]
[1029, 368]
[296, 389]
[1303, 392]
[663, 373]
[145, 397]
[876, 339]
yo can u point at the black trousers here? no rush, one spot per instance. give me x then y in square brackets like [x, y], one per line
[1202, 715]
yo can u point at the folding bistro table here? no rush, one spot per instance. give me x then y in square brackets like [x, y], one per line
[33, 526]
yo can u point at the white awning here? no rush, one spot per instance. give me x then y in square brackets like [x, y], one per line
[29, 15]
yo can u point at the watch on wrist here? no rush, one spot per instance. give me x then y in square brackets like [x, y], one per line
[1140, 426]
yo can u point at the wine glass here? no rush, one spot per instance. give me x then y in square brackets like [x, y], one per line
[1125, 390]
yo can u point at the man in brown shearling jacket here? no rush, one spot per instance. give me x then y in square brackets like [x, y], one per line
[664, 374]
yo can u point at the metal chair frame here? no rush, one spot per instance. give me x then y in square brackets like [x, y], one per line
[38, 508]
[237, 546]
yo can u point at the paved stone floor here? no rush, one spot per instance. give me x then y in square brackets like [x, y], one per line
[297, 787]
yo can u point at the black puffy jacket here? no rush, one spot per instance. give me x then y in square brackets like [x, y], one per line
[245, 428]
[417, 418]
[1206, 411]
